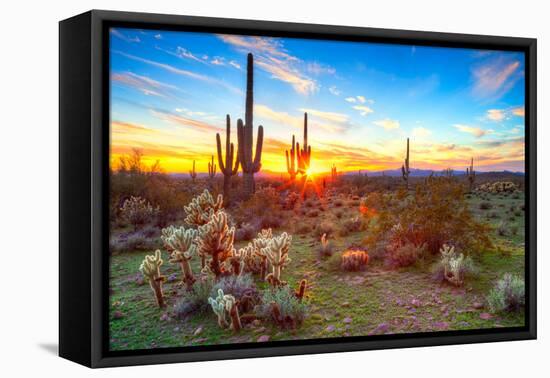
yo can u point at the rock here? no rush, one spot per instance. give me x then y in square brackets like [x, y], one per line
[347, 320]
[176, 329]
[345, 304]
[416, 303]
[164, 317]
[330, 328]
[477, 305]
[118, 315]
[381, 328]
[485, 316]
[441, 325]
[172, 277]
[198, 331]
[263, 338]
[259, 330]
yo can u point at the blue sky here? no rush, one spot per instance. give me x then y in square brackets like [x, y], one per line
[170, 92]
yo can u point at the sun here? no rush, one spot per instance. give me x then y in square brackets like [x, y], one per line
[309, 172]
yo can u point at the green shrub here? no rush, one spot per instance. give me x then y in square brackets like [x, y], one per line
[291, 311]
[508, 294]
[241, 287]
[405, 255]
[137, 211]
[196, 300]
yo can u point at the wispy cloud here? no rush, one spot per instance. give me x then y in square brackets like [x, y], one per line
[359, 100]
[495, 78]
[475, 131]
[388, 124]
[519, 111]
[334, 90]
[143, 84]
[117, 33]
[498, 115]
[328, 116]
[317, 68]
[184, 121]
[158, 36]
[328, 121]
[179, 71]
[270, 56]
[421, 132]
[363, 109]
[119, 127]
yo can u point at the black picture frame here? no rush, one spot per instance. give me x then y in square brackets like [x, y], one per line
[83, 181]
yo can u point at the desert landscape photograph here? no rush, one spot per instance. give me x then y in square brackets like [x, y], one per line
[270, 189]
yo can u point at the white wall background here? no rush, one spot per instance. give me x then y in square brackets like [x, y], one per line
[29, 189]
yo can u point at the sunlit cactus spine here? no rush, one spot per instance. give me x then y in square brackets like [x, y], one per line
[215, 243]
[193, 172]
[181, 243]
[150, 268]
[304, 154]
[212, 168]
[226, 304]
[201, 208]
[405, 168]
[291, 167]
[471, 175]
[230, 165]
[250, 163]
[277, 255]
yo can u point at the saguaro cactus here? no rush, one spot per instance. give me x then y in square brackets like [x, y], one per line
[333, 172]
[250, 163]
[405, 171]
[193, 172]
[304, 154]
[471, 174]
[227, 167]
[291, 160]
[181, 243]
[150, 268]
[211, 168]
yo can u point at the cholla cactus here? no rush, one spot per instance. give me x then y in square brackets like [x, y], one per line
[201, 209]
[165, 234]
[137, 210]
[277, 255]
[181, 243]
[215, 243]
[301, 292]
[236, 261]
[260, 242]
[150, 268]
[453, 265]
[225, 304]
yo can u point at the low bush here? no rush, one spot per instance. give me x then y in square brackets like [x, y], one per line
[405, 255]
[282, 308]
[508, 294]
[241, 287]
[454, 267]
[325, 249]
[325, 227]
[195, 300]
[485, 206]
[354, 260]
[246, 232]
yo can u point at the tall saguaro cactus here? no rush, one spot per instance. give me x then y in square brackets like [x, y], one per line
[250, 163]
[304, 154]
[405, 170]
[193, 172]
[333, 172]
[471, 174]
[227, 168]
[211, 168]
[291, 160]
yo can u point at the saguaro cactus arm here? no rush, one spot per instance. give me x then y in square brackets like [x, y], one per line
[304, 154]
[291, 160]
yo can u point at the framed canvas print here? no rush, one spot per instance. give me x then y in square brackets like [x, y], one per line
[233, 188]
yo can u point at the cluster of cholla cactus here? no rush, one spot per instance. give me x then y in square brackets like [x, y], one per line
[211, 168]
[193, 172]
[230, 165]
[224, 306]
[137, 210]
[201, 208]
[215, 243]
[250, 162]
[453, 265]
[471, 175]
[405, 168]
[354, 260]
[181, 243]
[276, 253]
[150, 268]
[498, 187]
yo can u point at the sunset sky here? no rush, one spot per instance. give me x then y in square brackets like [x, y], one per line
[170, 92]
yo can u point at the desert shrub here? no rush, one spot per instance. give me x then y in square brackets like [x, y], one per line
[405, 255]
[291, 200]
[195, 300]
[503, 229]
[302, 228]
[313, 214]
[493, 215]
[338, 214]
[508, 294]
[435, 214]
[264, 201]
[246, 232]
[338, 202]
[280, 306]
[354, 224]
[308, 203]
[325, 249]
[325, 227]
[271, 221]
[453, 267]
[135, 241]
[136, 211]
[242, 287]
[354, 260]
[334, 262]
[485, 206]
